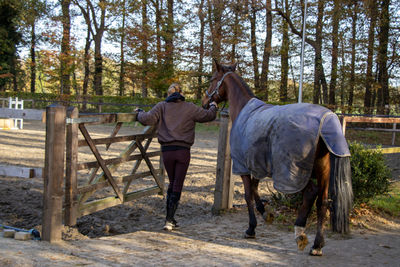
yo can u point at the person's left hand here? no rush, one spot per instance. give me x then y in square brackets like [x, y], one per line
[214, 104]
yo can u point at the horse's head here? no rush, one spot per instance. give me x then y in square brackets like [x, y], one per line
[217, 91]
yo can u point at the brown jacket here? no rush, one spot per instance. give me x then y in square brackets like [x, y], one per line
[176, 121]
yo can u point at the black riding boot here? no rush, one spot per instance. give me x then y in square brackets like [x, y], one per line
[172, 205]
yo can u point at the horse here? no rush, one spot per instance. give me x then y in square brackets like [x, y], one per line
[295, 144]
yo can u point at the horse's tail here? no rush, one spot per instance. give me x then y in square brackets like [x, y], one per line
[341, 193]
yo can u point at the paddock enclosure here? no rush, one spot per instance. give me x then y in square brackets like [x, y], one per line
[133, 228]
[94, 213]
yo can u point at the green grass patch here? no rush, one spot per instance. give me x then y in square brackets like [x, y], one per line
[389, 202]
[371, 137]
[207, 127]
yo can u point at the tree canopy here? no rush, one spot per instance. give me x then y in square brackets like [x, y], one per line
[129, 47]
[9, 40]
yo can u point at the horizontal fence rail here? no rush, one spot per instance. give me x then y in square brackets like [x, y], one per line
[27, 114]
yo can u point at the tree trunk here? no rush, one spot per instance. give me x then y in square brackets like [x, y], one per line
[86, 59]
[371, 40]
[335, 41]
[75, 81]
[215, 8]
[317, 81]
[343, 80]
[33, 58]
[199, 91]
[353, 55]
[318, 70]
[99, 28]
[267, 52]
[144, 52]
[98, 36]
[169, 41]
[13, 70]
[375, 92]
[237, 7]
[383, 77]
[98, 66]
[98, 58]
[65, 55]
[253, 44]
[295, 90]
[283, 91]
[158, 32]
[160, 68]
[122, 52]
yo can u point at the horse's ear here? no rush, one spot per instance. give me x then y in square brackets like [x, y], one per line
[217, 65]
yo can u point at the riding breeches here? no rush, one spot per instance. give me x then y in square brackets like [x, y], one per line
[176, 163]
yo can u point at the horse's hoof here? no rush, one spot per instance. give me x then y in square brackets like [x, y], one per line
[302, 242]
[268, 217]
[316, 252]
[249, 235]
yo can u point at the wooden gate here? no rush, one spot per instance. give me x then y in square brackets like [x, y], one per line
[101, 188]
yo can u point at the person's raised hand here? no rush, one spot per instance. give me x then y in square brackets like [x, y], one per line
[214, 104]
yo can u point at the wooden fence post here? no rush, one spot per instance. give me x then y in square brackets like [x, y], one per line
[71, 186]
[53, 173]
[343, 120]
[394, 134]
[223, 194]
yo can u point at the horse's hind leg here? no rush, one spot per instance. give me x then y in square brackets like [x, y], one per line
[267, 215]
[309, 195]
[257, 199]
[249, 197]
[322, 171]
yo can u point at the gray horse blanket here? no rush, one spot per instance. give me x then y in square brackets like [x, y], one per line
[281, 141]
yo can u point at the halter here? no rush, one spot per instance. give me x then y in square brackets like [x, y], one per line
[216, 90]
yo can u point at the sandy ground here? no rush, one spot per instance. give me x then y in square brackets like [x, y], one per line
[130, 235]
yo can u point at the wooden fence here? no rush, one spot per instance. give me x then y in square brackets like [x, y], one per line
[375, 120]
[80, 198]
[20, 114]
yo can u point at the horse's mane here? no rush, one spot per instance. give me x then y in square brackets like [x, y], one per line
[232, 68]
[244, 84]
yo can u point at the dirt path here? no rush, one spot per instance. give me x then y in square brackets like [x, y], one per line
[130, 234]
[215, 242]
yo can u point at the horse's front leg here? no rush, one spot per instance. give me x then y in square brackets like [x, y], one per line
[249, 197]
